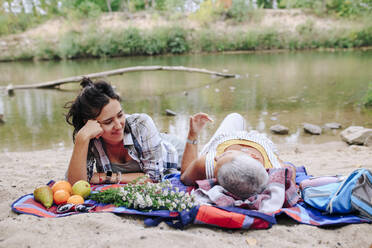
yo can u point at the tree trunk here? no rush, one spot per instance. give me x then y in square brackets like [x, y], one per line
[57, 83]
[108, 2]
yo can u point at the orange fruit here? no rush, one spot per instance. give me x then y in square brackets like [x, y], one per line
[66, 186]
[61, 196]
[75, 199]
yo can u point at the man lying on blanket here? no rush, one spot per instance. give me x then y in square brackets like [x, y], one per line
[236, 160]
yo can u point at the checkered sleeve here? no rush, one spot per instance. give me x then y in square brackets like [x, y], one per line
[151, 142]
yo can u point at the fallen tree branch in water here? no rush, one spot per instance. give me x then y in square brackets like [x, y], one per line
[57, 83]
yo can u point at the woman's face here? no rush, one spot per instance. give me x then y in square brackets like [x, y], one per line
[112, 120]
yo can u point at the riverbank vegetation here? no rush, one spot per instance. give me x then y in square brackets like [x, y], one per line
[180, 27]
[367, 100]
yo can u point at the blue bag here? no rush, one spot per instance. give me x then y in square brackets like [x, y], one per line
[361, 197]
[337, 197]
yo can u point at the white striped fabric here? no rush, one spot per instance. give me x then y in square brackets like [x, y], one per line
[266, 143]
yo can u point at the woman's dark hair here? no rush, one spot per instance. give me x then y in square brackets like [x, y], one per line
[89, 103]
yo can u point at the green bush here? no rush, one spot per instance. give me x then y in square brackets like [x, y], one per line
[46, 51]
[177, 41]
[131, 42]
[238, 10]
[345, 8]
[10, 23]
[206, 41]
[367, 100]
[69, 46]
[269, 39]
[364, 37]
[208, 12]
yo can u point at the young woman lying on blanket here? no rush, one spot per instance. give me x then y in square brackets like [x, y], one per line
[122, 147]
[235, 157]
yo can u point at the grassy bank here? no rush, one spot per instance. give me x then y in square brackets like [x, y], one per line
[178, 40]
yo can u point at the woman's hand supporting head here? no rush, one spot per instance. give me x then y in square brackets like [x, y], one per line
[92, 129]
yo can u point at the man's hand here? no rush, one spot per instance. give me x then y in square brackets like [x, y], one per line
[197, 123]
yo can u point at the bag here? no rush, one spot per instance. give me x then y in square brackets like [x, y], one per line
[361, 197]
[336, 197]
[319, 181]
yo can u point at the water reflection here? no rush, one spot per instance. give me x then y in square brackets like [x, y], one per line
[286, 89]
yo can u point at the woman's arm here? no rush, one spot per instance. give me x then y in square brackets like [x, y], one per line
[77, 169]
[99, 178]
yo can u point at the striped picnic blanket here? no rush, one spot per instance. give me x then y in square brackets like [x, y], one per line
[225, 217]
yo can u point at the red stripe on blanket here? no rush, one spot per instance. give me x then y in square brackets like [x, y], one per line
[259, 224]
[218, 217]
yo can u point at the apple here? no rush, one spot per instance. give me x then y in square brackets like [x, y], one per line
[81, 188]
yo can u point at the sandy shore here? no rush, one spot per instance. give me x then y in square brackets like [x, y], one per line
[21, 172]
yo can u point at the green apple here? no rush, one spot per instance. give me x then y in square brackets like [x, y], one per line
[81, 188]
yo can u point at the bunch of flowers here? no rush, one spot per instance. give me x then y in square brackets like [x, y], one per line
[146, 196]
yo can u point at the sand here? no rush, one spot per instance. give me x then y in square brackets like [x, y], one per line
[21, 172]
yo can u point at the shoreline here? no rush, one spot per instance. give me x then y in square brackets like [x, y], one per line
[146, 35]
[21, 172]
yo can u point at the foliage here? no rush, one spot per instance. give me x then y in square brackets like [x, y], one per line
[344, 8]
[100, 5]
[10, 23]
[146, 196]
[367, 99]
[176, 40]
[238, 10]
[207, 12]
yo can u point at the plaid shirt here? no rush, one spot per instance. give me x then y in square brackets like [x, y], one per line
[155, 156]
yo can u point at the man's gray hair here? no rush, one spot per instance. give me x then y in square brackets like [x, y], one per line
[243, 176]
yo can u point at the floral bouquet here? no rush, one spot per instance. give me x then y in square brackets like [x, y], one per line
[146, 196]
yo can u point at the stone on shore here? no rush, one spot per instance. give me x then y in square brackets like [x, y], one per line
[169, 112]
[356, 135]
[368, 141]
[279, 129]
[312, 129]
[333, 125]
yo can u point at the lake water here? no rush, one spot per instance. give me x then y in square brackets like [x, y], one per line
[273, 88]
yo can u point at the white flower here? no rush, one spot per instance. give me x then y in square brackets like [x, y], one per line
[148, 201]
[182, 193]
[183, 206]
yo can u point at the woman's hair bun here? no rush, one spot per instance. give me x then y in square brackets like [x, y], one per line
[86, 82]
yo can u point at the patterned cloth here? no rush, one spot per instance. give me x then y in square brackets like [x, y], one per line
[226, 217]
[280, 192]
[211, 148]
[155, 156]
